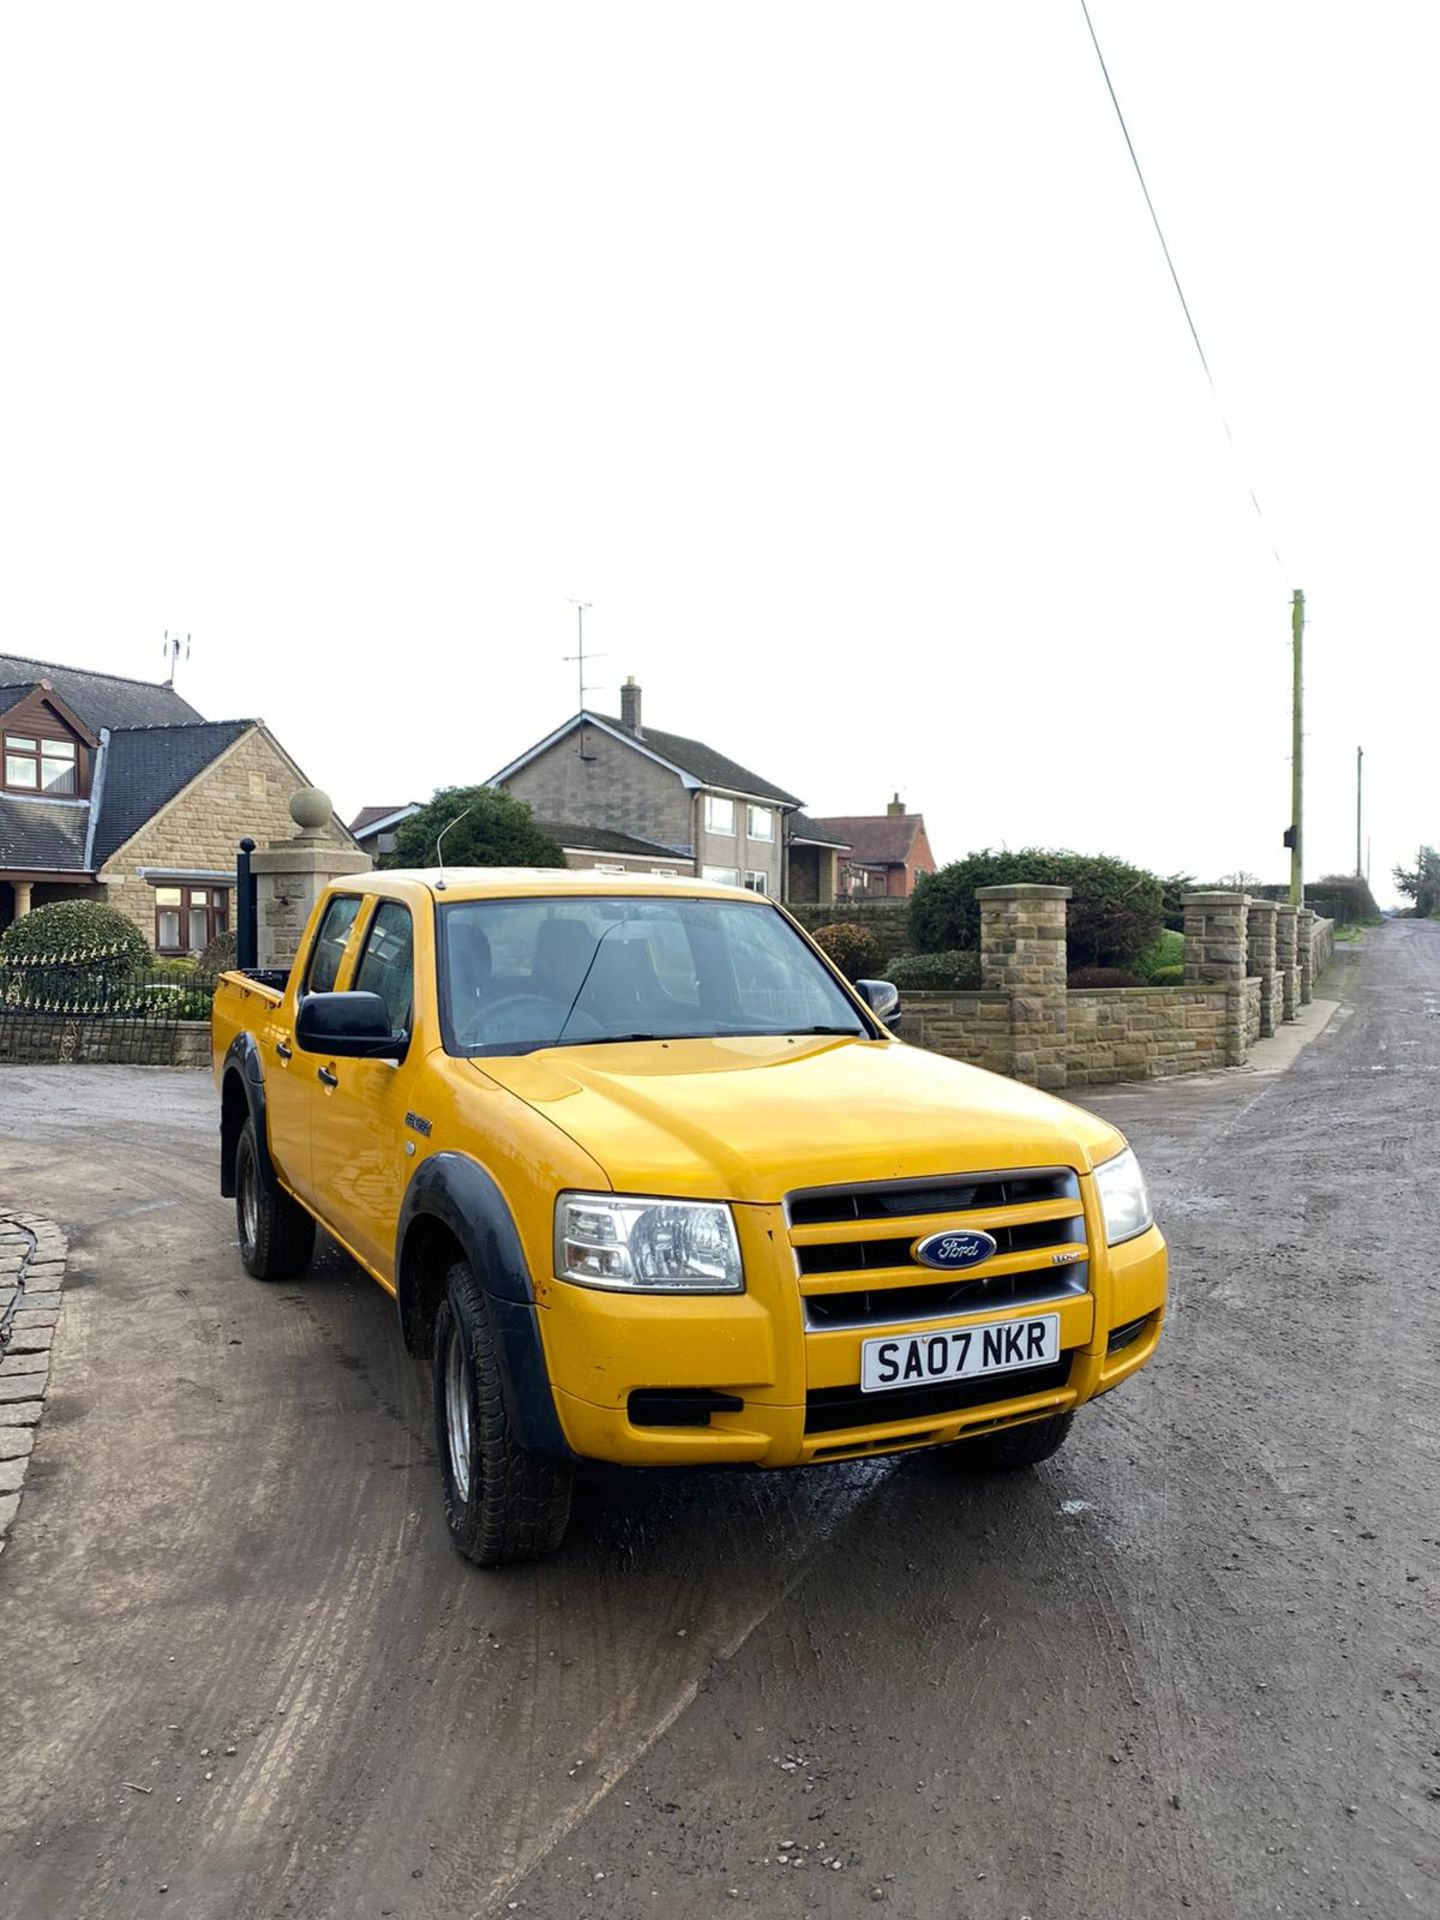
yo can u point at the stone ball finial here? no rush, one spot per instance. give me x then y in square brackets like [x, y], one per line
[310, 809]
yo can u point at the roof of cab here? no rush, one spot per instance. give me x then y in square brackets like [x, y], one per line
[538, 883]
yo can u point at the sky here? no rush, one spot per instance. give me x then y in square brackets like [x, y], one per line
[827, 350]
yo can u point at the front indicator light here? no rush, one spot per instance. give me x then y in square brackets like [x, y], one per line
[631, 1245]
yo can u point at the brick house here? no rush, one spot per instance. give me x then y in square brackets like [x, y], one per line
[617, 792]
[118, 790]
[884, 854]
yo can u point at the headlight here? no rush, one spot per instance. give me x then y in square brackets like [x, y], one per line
[646, 1246]
[1123, 1199]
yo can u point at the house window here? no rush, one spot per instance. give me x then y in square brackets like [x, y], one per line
[33, 765]
[757, 882]
[761, 823]
[187, 919]
[727, 876]
[719, 814]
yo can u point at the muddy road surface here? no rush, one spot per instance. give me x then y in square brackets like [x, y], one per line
[1188, 1667]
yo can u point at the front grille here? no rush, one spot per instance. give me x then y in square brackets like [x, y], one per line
[828, 1409]
[835, 1273]
[855, 1256]
[961, 1193]
[1037, 1286]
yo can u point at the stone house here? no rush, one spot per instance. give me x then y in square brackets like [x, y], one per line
[117, 790]
[884, 854]
[620, 793]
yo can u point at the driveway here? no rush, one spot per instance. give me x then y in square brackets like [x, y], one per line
[1190, 1666]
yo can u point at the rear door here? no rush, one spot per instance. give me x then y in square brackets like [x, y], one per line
[363, 1149]
[291, 1082]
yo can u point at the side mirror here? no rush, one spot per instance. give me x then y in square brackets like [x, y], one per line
[882, 997]
[352, 1026]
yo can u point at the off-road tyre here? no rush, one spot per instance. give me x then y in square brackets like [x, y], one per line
[1011, 1449]
[502, 1504]
[277, 1236]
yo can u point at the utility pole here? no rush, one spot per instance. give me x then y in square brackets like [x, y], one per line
[1297, 753]
[1359, 780]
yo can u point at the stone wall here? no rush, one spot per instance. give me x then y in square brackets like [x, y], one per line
[888, 920]
[974, 1027]
[245, 791]
[47, 1040]
[1243, 976]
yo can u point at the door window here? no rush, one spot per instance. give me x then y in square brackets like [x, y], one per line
[387, 963]
[329, 948]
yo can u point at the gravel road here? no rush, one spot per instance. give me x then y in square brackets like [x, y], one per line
[1189, 1667]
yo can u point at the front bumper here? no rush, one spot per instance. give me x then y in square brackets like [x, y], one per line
[798, 1388]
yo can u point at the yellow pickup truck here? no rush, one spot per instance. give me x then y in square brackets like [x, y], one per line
[652, 1183]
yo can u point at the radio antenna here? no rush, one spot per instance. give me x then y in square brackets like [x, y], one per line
[582, 607]
[439, 857]
[175, 644]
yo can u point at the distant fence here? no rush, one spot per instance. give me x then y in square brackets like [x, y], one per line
[93, 1009]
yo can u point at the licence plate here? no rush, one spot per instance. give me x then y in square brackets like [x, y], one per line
[920, 1359]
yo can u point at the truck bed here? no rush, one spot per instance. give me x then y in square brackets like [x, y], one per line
[245, 997]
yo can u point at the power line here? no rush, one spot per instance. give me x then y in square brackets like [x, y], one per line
[1179, 290]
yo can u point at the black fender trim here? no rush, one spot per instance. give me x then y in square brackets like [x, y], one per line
[242, 1063]
[461, 1195]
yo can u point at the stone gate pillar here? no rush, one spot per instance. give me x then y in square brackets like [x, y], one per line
[1022, 953]
[1286, 964]
[1216, 956]
[291, 875]
[1305, 952]
[1260, 945]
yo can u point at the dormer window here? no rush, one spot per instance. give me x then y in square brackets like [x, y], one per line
[34, 764]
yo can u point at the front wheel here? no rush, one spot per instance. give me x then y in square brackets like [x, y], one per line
[277, 1236]
[1013, 1448]
[502, 1504]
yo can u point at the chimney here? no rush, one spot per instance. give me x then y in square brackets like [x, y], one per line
[896, 807]
[630, 705]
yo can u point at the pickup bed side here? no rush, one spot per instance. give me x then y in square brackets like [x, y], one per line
[245, 1005]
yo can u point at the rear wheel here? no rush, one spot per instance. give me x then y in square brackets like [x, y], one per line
[277, 1236]
[502, 1504]
[1013, 1448]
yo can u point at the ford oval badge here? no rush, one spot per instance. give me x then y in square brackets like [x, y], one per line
[953, 1250]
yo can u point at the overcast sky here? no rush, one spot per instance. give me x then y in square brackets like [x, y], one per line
[827, 349]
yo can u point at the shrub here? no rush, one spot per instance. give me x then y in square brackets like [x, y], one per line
[1344, 898]
[1168, 977]
[497, 831]
[1084, 977]
[220, 955]
[1167, 953]
[953, 972]
[73, 953]
[854, 949]
[82, 929]
[1115, 913]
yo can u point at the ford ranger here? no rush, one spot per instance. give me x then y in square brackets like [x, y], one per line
[652, 1183]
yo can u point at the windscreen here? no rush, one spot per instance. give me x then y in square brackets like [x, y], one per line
[521, 974]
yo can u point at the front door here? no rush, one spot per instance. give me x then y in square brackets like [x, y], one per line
[363, 1149]
[291, 1086]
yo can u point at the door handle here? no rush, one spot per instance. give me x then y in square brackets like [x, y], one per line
[330, 1079]
[283, 1050]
